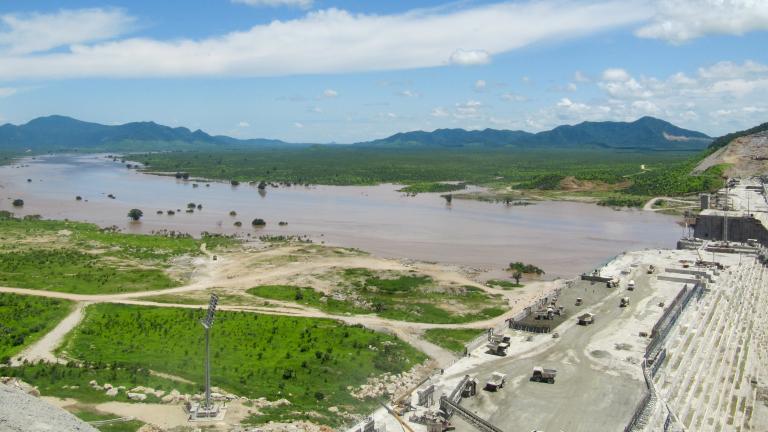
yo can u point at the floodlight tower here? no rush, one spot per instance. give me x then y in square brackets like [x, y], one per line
[207, 323]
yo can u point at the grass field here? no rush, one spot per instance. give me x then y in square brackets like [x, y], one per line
[82, 258]
[503, 284]
[25, 319]
[452, 339]
[393, 295]
[310, 362]
[92, 415]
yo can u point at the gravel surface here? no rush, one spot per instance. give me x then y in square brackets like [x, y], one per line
[20, 412]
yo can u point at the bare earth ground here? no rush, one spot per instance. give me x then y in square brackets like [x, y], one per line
[747, 156]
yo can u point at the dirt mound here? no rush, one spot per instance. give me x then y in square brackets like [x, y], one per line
[747, 157]
[572, 184]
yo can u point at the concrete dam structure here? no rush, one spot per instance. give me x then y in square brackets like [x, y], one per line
[741, 216]
[740, 228]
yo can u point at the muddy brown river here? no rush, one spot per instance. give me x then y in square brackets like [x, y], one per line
[564, 238]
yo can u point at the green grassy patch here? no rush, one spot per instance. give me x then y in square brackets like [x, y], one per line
[403, 297]
[452, 339]
[504, 284]
[25, 319]
[623, 201]
[67, 270]
[433, 187]
[82, 258]
[310, 362]
[89, 415]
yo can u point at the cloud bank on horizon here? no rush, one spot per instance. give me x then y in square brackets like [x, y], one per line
[454, 40]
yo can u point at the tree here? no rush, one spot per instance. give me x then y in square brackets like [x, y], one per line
[18, 202]
[135, 214]
[517, 275]
[258, 222]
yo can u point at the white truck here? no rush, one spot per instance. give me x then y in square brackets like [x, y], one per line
[631, 285]
[496, 381]
[541, 374]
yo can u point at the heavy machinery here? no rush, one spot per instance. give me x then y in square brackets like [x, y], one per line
[651, 269]
[586, 319]
[496, 381]
[631, 285]
[613, 283]
[498, 344]
[541, 374]
[624, 302]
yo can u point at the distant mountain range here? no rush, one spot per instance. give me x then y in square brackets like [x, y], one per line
[647, 133]
[55, 133]
[59, 133]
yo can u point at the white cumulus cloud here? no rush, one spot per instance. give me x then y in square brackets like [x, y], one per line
[470, 57]
[322, 41]
[330, 93]
[480, 85]
[678, 21]
[30, 33]
[615, 74]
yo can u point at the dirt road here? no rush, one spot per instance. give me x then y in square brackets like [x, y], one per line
[652, 202]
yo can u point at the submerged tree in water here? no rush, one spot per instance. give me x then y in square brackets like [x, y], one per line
[135, 214]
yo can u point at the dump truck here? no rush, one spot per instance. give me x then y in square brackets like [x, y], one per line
[496, 381]
[624, 302]
[498, 344]
[541, 374]
[579, 301]
[586, 319]
[631, 285]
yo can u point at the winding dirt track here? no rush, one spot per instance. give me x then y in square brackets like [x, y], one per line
[235, 272]
[651, 202]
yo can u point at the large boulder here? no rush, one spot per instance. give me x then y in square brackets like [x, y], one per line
[137, 396]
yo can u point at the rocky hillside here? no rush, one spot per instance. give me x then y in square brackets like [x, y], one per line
[746, 156]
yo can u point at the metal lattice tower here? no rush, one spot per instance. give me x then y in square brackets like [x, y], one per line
[207, 323]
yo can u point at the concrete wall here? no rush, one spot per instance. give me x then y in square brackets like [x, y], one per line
[710, 227]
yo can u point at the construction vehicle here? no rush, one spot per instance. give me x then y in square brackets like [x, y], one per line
[498, 344]
[541, 374]
[624, 302]
[613, 283]
[496, 381]
[579, 301]
[631, 285]
[651, 269]
[586, 319]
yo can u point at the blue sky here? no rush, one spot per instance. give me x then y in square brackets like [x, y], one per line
[346, 71]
